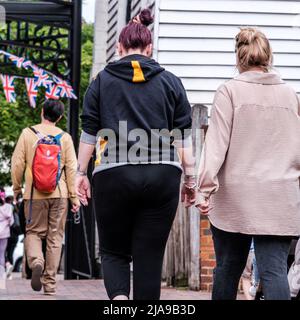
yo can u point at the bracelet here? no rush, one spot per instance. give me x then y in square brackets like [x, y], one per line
[81, 173]
[190, 177]
[192, 187]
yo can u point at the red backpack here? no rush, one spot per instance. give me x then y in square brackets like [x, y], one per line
[46, 171]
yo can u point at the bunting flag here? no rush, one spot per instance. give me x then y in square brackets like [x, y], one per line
[32, 91]
[55, 86]
[8, 87]
[53, 92]
[16, 60]
[28, 64]
[5, 53]
[42, 78]
[66, 89]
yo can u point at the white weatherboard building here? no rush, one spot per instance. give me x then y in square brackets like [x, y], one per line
[195, 38]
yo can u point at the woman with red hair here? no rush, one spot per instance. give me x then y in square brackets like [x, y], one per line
[140, 116]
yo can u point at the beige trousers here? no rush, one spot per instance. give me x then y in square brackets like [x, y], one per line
[48, 222]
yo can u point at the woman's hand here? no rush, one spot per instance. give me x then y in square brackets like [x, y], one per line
[83, 189]
[188, 190]
[204, 207]
[202, 204]
[82, 183]
[75, 207]
[188, 195]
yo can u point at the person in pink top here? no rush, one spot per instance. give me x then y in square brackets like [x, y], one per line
[6, 221]
[250, 170]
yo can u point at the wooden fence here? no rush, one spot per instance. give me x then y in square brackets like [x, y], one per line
[182, 257]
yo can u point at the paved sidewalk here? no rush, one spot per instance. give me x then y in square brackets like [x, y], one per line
[19, 289]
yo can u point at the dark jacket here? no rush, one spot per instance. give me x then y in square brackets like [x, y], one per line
[135, 93]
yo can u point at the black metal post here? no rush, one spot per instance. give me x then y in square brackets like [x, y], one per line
[73, 116]
[73, 119]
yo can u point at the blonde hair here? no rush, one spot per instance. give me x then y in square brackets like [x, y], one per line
[253, 49]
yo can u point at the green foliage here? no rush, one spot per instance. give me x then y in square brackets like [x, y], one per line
[86, 57]
[16, 116]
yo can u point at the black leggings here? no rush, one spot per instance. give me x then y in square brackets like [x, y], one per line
[135, 208]
[11, 245]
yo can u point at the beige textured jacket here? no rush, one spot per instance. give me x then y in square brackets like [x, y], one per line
[251, 157]
[22, 162]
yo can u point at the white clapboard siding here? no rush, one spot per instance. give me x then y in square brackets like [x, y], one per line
[224, 45]
[213, 84]
[219, 58]
[195, 40]
[173, 30]
[205, 97]
[228, 18]
[289, 7]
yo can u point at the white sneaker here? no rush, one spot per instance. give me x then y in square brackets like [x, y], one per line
[9, 270]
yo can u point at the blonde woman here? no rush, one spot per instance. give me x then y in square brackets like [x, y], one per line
[250, 169]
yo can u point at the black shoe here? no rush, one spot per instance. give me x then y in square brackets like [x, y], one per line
[36, 283]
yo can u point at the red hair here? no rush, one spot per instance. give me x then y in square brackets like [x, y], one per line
[136, 35]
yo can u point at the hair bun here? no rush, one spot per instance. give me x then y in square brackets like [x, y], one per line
[253, 49]
[246, 37]
[146, 17]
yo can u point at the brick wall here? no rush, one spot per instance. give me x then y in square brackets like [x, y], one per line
[207, 255]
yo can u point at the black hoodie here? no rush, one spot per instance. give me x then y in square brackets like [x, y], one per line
[135, 93]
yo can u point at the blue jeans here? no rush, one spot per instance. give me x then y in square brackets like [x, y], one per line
[232, 250]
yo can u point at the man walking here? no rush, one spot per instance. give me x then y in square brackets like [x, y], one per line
[39, 149]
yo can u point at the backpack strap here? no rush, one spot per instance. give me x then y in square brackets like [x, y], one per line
[40, 136]
[32, 129]
[59, 136]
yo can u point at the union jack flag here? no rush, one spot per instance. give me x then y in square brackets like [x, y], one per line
[32, 91]
[18, 61]
[41, 77]
[8, 87]
[53, 91]
[66, 89]
[27, 64]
